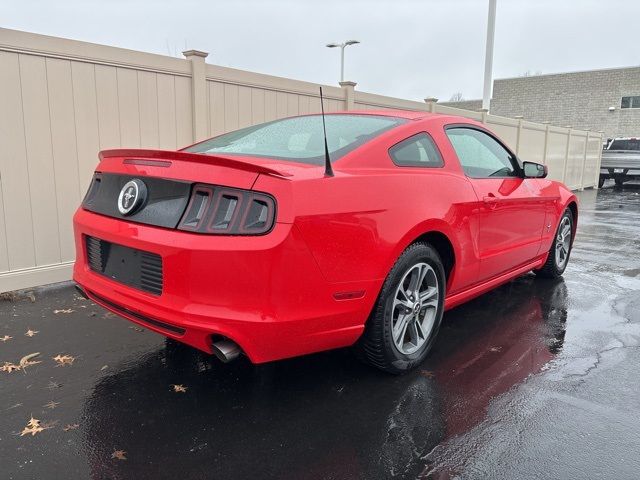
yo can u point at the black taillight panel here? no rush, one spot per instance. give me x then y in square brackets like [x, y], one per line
[218, 210]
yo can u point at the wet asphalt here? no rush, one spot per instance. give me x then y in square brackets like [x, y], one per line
[537, 379]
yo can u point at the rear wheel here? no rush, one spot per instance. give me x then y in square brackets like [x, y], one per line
[560, 250]
[407, 315]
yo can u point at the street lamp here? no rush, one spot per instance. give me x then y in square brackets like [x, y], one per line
[342, 46]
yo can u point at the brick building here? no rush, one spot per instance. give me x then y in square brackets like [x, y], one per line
[607, 100]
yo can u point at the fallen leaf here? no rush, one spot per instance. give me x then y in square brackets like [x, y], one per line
[119, 454]
[427, 373]
[62, 360]
[5, 338]
[495, 349]
[53, 385]
[27, 362]
[64, 310]
[51, 405]
[33, 422]
[104, 367]
[31, 333]
[179, 388]
[33, 426]
[71, 426]
[9, 367]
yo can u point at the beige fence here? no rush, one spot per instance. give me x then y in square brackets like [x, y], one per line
[61, 101]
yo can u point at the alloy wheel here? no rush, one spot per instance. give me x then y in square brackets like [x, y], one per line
[415, 308]
[563, 242]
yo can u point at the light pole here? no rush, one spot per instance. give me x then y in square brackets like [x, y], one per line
[488, 59]
[342, 47]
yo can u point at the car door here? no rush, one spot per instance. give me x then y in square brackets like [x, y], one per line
[511, 212]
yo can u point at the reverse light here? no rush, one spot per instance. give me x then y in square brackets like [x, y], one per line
[217, 210]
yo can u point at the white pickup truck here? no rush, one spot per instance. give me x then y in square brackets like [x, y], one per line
[620, 160]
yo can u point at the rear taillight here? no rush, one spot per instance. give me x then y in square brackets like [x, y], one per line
[228, 211]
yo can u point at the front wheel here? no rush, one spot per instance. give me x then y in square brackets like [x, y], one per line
[406, 318]
[560, 249]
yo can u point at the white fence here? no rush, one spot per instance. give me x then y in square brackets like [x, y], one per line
[61, 101]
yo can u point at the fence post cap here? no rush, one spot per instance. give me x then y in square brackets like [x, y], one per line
[431, 100]
[348, 83]
[195, 53]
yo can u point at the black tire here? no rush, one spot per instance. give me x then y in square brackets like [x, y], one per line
[376, 346]
[551, 269]
[601, 182]
[619, 182]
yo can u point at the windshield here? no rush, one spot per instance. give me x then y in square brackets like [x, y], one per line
[300, 139]
[628, 144]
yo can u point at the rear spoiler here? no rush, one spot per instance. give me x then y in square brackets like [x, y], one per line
[221, 160]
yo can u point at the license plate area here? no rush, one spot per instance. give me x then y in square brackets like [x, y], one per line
[132, 267]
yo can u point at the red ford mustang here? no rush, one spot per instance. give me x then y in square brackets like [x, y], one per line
[265, 242]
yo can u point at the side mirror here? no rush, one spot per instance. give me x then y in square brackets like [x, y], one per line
[534, 170]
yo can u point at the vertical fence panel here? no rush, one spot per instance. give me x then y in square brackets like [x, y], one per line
[244, 107]
[216, 108]
[65, 155]
[532, 142]
[556, 152]
[107, 100]
[128, 109]
[257, 106]
[14, 169]
[86, 118]
[148, 107]
[184, 128]
[167, 135]
[37, 137]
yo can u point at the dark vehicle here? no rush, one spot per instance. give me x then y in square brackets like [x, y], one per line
[620, 161]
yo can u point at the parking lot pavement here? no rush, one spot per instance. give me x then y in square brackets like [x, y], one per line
[536, 379]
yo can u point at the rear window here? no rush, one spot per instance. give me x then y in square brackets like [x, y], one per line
[300, 139]
[629, 144]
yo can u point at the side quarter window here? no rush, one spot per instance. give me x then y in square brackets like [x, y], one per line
[480, 155]
[418, 150]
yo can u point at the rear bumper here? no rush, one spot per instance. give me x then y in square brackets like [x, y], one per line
[265, 293]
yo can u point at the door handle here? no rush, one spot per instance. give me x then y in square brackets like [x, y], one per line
[490, 200]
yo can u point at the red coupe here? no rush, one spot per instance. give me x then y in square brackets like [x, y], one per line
[279, 239]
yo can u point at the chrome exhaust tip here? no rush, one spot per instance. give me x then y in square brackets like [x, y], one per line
[226, 350]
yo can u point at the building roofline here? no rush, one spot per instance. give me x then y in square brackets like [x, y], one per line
[570, 72]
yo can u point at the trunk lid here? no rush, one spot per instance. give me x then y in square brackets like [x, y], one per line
[164, 182]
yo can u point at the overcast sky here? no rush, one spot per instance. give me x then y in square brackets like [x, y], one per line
[410, 48]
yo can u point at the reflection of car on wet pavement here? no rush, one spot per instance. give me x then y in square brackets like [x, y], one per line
[303, 420]
[268, 242]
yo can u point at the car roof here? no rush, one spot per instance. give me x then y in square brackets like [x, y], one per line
[408, 114]
[411, 115]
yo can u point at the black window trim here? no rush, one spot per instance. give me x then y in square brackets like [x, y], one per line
[514, 158]
[435, 145]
